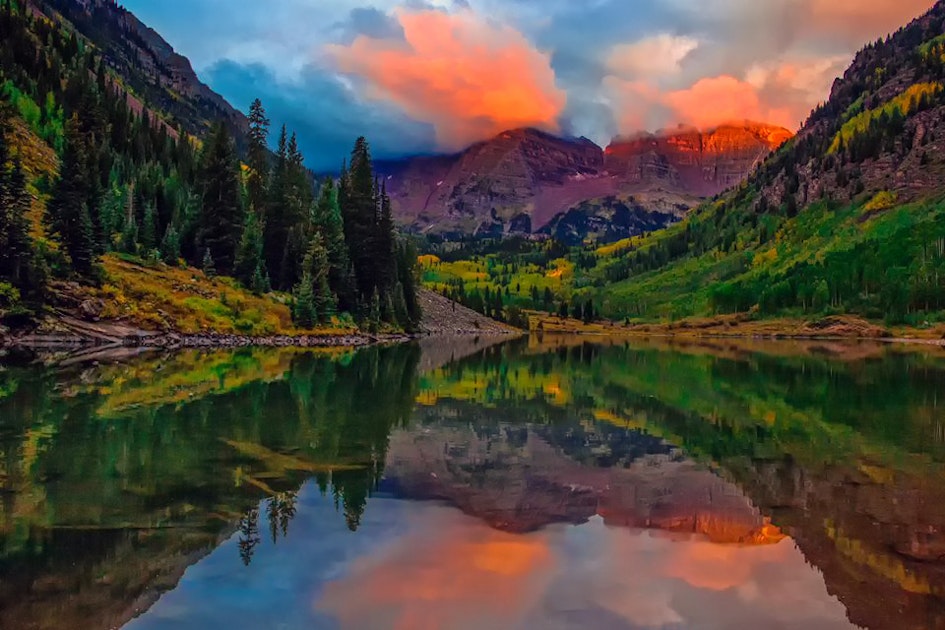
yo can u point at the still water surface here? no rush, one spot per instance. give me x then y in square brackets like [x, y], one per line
[542, 483]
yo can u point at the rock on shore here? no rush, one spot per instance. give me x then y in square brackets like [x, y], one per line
[442, 316]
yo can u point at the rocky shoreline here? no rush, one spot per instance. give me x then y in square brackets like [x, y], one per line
[173, 340]
[66, 330]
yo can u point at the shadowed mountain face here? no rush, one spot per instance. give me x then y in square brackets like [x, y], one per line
[524, 179]
[164, 79]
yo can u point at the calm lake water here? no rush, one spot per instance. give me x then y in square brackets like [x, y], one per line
[542, 483]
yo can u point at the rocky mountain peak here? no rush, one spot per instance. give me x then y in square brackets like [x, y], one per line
[524, 179]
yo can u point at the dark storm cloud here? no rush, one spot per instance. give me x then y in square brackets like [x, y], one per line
[370, 22]
[325, 113]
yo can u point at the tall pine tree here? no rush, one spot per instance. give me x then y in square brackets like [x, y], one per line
[67, 211]
[15, 243]
[249, 256]
[360, 219]
[221, 215]
[257, 159]
[328, 221]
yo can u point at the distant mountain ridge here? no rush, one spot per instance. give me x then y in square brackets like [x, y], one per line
[523, 180]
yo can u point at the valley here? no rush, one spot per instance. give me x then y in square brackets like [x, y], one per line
[844, 219]
[615, 315]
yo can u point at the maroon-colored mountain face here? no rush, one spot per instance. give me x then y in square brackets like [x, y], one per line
[522, 180]
[691, 161]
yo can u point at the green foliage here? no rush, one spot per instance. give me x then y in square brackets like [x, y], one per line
[132, 181]
[9, 295]
[304, 312]
[917, 96]
[68, 210]
[221, 218]
[249, 256]
[170, 246]
[16, 249]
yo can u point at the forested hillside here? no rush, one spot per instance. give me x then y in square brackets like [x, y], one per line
[848, 217]
[93, 173]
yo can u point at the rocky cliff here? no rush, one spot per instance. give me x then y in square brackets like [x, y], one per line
[163, 79]
[693, 161]
[524, 180]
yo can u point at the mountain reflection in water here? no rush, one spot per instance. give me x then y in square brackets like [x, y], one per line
[550, 483]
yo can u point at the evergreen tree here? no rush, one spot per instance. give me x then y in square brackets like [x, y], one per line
[15, 244]
[170, 246]
[360, 216]
[407, 280]
[384, 243]
[260, 283]
[67, 211]
[148, 236]
[304, 313]
[328, 221]
[207, 265]
[286, 230]
[314, 301]
[257, 159]
[249, 256]
[129, 236]
[318, 267]
[221, 218]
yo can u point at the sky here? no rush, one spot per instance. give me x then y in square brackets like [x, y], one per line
[433, 76]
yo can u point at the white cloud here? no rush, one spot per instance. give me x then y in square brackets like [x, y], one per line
[654, 57]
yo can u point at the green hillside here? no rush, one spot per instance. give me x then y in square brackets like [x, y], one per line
[123, 179]
[847, 218]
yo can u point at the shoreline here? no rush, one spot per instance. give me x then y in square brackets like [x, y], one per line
[746, 336]
[146, 340]
[831, 328]
[66, 329]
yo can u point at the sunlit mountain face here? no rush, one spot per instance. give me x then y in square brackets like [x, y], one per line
[437, 77]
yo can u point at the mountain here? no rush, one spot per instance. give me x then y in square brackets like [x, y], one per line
[522, 478]
[845, 217]
[117, 164]
[701, 163]
[525, 181]
[151, 69]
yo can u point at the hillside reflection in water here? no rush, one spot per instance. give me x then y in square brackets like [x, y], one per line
[547, 482]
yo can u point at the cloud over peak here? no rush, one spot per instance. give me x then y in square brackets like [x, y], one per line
[467, 76]
[436, 75]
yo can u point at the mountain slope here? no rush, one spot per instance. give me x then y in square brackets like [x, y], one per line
[702, 163]
[162, 79]
[844, 218]
[523, 180]
[141, 182]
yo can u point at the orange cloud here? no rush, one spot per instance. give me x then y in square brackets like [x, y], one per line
[715, 100]
[468, 77]
[781, 93]
[443, 580]
[451, 571]
[863, 20]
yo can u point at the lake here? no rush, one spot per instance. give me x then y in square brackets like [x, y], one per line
[554, 482]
